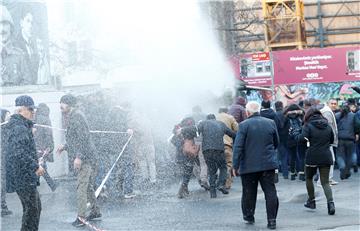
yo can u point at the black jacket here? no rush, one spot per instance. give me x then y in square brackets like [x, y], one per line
[213, 132]
[255, 144]
[320, 136]
[346, 126]
[78, 140]
[20, 154]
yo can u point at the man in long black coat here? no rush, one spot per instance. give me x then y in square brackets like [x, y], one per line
[22, 167]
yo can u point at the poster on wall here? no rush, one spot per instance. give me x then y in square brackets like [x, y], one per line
[25, 43]
[255, 69]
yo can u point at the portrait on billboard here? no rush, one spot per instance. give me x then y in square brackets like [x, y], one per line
[24, 44]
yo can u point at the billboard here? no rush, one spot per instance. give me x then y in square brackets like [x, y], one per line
[25, 44]
[321, 65]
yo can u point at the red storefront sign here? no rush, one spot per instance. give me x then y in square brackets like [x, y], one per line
[301, 66]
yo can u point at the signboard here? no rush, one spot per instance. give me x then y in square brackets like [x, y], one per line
[321, 65]
[317, 65]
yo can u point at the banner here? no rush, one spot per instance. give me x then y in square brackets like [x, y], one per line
[320, 65]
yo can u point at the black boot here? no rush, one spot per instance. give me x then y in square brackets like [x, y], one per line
[292, 176]
[331, 208]
[183, 191]
[271, 224]
[223, 190]
[213, 193]
[310, 204]
[342, 174]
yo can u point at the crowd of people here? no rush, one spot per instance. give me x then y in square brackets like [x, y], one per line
[251, 140]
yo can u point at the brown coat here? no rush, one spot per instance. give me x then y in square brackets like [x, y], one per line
[231, 123]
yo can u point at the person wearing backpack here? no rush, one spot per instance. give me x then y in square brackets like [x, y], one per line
[319, 136]
[296, 149]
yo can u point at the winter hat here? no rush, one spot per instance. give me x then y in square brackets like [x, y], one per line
[24, 100]
[69, 100]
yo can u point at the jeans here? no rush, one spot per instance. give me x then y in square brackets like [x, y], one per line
[30, 201]
[283, 157]
[250, 185]
[186, 165]
[324, 179]
[215, 159]
[345, 151]
[297, 158]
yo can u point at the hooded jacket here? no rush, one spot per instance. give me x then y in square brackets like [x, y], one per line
[320, 136]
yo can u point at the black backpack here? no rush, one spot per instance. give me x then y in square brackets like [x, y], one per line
[295, 127]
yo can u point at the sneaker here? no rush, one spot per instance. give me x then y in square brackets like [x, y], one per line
[331, 208]
[311, 204]
[77, 223]
[93, 216]
[129, 195]
[5, 211]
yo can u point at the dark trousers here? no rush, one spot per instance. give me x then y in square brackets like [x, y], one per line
[215, 159]
[297, 158]
[283, 157]
[345, 151]
[250, 185]
[324, 179]
[30, 201]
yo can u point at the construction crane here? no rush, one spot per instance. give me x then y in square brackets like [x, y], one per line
[284, 24]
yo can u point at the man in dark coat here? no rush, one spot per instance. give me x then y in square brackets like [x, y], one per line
[255, 160]
[213, 132]
[22, 167]
[78, 142]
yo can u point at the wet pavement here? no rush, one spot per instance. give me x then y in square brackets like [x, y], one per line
[158, 208]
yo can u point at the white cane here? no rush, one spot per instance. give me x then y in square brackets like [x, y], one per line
[98, 190]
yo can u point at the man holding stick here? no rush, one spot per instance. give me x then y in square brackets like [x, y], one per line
[78, 143]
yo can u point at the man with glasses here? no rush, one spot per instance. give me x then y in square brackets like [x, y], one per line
[22, 166]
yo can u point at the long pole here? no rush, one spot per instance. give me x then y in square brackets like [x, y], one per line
[98, 190]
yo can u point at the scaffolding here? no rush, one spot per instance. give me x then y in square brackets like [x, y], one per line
[328, 24]
[284, 24]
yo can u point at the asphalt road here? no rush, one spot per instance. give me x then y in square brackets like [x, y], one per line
[158, 208]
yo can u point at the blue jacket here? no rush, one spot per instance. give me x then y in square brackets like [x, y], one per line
[255, 144]
[20, 154]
